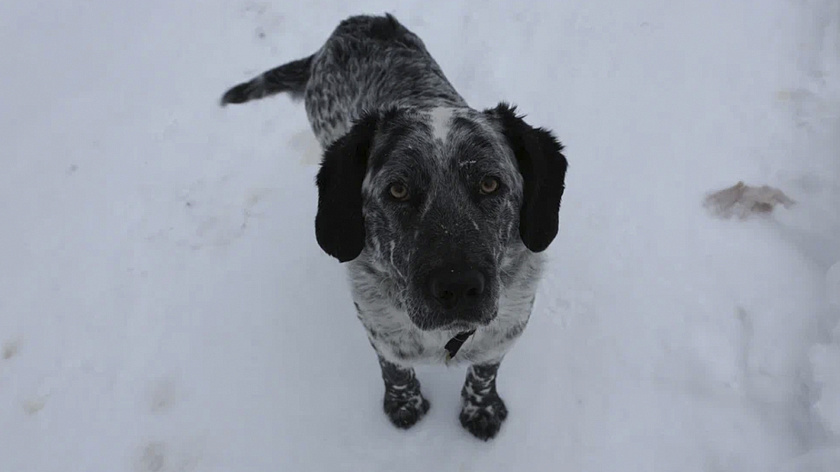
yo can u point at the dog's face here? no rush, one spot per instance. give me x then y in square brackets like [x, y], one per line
[437, 199]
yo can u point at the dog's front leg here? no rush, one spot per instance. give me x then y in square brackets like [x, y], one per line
[404, 404]
[483, 411]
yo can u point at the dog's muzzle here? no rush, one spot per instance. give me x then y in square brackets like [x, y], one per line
[460, 296]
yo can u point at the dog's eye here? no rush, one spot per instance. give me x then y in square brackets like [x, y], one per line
[488, 185]
[398, 192]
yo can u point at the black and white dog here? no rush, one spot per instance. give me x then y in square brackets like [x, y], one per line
[440, 210]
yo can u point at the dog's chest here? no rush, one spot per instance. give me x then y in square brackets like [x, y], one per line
[395, 337]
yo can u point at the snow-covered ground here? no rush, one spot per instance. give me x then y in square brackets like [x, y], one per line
[164, 305]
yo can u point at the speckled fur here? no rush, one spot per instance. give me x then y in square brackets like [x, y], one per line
[373, 73]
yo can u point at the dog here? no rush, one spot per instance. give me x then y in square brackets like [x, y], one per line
[441, 212]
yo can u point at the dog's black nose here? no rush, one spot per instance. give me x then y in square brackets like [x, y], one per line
[456, 287]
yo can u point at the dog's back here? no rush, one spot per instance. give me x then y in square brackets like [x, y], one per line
[368, 63]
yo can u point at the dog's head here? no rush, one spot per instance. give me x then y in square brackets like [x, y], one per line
[436, 200]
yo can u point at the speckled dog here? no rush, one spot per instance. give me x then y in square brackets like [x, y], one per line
[439, 210]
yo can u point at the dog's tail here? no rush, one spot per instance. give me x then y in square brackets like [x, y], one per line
[291, 77]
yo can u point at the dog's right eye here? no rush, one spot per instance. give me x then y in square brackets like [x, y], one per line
[398, 192]
[488, 185]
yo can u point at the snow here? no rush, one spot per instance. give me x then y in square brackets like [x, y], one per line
[164, 305]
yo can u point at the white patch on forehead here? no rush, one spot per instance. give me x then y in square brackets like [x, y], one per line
[441, 120]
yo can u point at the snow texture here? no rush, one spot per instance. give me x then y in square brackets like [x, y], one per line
[164, 306]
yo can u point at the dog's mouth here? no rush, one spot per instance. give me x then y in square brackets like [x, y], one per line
[461, 325]
[443, 323]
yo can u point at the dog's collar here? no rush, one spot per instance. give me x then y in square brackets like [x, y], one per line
[455, 344]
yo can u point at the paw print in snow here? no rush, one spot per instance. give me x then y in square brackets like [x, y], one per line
[10, 349]
[153, 458]
[162, 395]
[161, 456]
[214, 217]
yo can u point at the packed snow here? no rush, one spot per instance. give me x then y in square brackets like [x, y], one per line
[164, 306]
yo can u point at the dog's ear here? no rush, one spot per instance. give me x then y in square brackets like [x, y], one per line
[339, 224]
[543, 167]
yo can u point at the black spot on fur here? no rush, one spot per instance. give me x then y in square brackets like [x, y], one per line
[543, 168]
[393, 130]
[469, 126]
[478, 146]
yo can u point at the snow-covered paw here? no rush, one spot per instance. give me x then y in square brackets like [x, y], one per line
[404, 404]
[483, 418]
[483, 411]
[405, 411]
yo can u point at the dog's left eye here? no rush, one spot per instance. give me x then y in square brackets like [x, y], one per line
[488, 185]
[398, 192]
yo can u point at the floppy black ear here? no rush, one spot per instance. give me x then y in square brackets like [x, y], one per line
[543, 168]
[339, 225]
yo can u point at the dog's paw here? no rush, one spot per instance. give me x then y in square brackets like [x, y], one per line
[483, 419]
[405, 412]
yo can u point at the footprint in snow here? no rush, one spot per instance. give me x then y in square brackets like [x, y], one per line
[162, 395]
[161, 456]
[152, 458]
[10, 349]
[743, 201]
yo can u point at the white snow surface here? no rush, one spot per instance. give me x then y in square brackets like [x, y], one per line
[164, 305]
